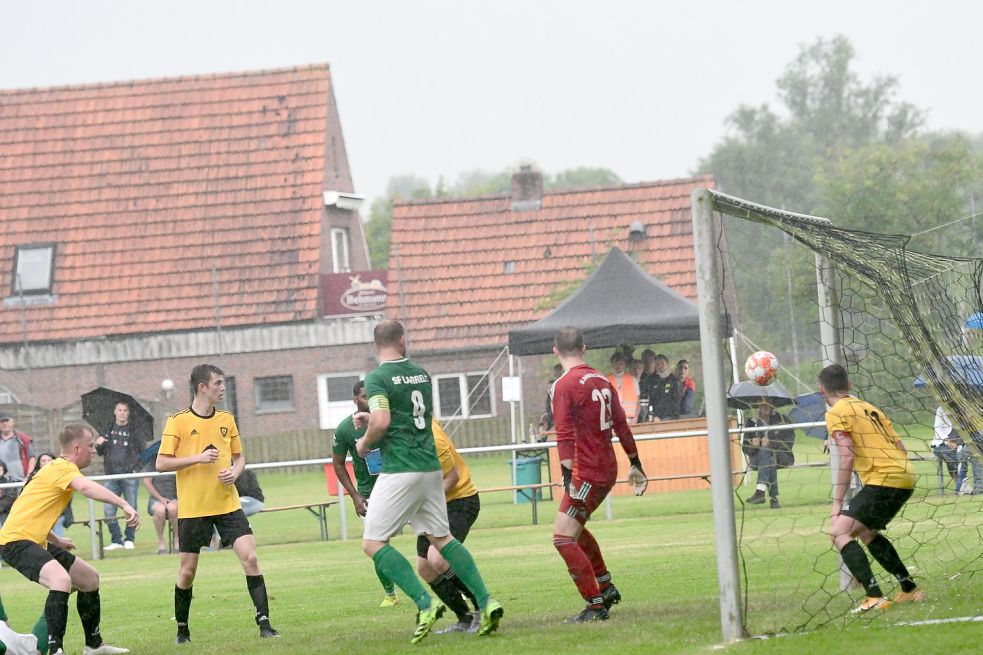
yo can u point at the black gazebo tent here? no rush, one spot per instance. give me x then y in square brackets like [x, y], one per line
[619, 303]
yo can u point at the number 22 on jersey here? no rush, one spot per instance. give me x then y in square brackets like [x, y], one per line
[603, 396]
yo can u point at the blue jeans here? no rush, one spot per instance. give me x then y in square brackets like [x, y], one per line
[128, 490]
[764, 460]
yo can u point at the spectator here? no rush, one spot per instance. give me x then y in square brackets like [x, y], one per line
[951, 449]
[7, 496]
[637, 367]
[645, 381]
[663, 390]
[767, 452]
[688, 388]
[625, 384]
[546, 421]
[15, 449]
[67, 517]
[162, 504]
[120, 449]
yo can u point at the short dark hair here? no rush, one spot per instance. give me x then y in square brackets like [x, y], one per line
[358, 387]
[834, 378]
[617, 357]
[202, 374]
[72, 433]
[569, 341]
[388, 333]
[662, 357]
[121, 402]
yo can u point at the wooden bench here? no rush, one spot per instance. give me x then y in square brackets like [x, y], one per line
[318, 510]
[101, 523]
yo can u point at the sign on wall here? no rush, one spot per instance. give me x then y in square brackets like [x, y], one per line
[353, 294]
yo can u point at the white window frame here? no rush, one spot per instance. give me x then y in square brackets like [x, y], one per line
[7, 396]
[463, 390]
[340, 261]
[29, 251]
[332, 412]
[280, 406]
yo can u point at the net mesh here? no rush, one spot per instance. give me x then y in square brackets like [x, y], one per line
[904, 322]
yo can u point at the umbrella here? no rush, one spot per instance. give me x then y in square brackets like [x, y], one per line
[98, 406]
[809, 408]
[974, 322]
[746, 395]
[968, 370]
[150, 452]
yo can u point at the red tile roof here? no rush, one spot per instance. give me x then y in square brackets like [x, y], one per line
[452, 255]
[145, 185]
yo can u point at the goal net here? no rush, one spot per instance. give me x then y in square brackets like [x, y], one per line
[908, 327]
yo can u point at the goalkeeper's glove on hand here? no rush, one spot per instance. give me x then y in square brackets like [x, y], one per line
[636, 476]
[567, 479]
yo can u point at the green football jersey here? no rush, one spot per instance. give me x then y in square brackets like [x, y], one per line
[404, 389]
[343, 444]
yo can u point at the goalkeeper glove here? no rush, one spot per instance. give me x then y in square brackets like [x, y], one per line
[567, 479]
[636, 476]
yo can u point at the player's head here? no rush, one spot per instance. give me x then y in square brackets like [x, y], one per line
[76, 444]
[618, 363]
[122, 413]
[359, 396]
[569, 342]
[208, 381]
[390, 334]
[833, 381]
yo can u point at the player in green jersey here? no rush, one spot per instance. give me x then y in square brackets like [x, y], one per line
[410, 487]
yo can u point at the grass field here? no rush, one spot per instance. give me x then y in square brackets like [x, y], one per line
[660, 549]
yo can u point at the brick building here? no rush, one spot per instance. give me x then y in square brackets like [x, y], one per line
[147, 226]
[471, 269]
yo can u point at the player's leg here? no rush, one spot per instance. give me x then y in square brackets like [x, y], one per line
[55, 578]
[568, 527]
[435, 573]
[461, 516]
[109, 512]
[86, 579]
[233, 528]
[193, 535]
[882, 550]
[843, 529]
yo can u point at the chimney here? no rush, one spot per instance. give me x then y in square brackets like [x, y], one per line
[527, 188]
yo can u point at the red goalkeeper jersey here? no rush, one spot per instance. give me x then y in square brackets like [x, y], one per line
[585, 409]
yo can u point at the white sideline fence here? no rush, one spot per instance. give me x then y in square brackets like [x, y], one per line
[342, 513]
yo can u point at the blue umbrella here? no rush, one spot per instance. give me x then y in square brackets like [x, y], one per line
[150, 452]
[809, 408]
[968, 371]
[974, 322]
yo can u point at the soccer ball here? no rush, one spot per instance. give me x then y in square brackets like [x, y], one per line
[761, 367]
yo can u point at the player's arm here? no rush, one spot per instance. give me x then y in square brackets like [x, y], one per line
[844, 448]
[566, 433]
[62, 542]
[169, 463]
[101, 494]
[379, 420]
[228, 476]
[636, 475]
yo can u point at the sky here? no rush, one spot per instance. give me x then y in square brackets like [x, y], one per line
[436, 88]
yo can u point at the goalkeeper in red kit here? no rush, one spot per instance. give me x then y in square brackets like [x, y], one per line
[585, 409]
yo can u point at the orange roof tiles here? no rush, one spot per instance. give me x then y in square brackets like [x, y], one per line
[452, 255]
[145, 186]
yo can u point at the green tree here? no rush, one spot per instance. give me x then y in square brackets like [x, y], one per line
[379, 226]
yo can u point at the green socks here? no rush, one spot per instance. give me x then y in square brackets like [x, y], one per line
[386, 583]
[391, 564]
[40, 630]
[463, 564]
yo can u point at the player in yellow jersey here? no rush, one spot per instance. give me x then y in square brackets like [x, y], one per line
[28, 544]
[202, 445]
[462, 511]
[866, 441]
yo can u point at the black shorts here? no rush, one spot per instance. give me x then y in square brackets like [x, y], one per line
[461, 515]
[875, 506]
[29, 558]
[195, 533]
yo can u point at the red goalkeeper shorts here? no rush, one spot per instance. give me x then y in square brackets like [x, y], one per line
[581, 501]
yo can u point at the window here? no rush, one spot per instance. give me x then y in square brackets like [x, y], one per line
[33, 269]
[274, 394]
[509, 267]
[7, 396]
[472, 388]
[339, 250]
[334, 398]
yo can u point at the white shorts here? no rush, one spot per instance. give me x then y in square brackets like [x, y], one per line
[398, 498]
